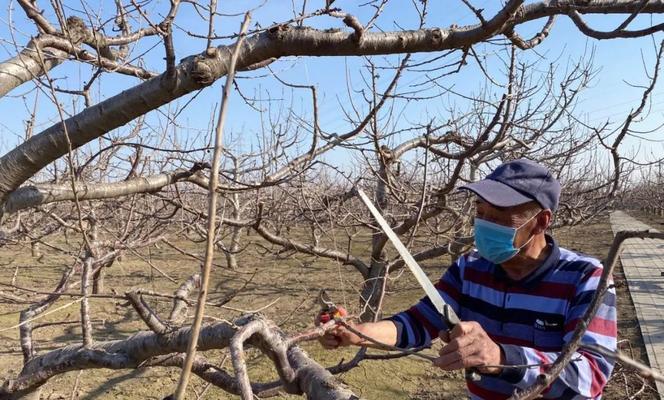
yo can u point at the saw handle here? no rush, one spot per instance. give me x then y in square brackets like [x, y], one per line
[452, 320]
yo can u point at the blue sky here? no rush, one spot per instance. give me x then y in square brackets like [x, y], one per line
[610, 97]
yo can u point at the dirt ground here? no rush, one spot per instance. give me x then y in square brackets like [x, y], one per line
[285, 290]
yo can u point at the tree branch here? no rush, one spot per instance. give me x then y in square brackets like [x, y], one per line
[199, 71]
[290, 244]
[552, 373]
[41, 194]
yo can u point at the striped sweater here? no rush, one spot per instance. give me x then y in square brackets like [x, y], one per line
[530, 319]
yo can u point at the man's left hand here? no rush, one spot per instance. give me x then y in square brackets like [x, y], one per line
[468, 345]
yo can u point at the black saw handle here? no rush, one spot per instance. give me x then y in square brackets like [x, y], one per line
[452, 320]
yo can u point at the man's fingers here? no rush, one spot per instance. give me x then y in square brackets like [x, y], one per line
[469, 346]
[450, 361]
[468, 356]
[451, 365]
[451, 347]
[329, 341]
[458, 344]
[462, 329]
[448, 365]
[454, 350]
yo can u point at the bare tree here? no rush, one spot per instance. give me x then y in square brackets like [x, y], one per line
[122, 181]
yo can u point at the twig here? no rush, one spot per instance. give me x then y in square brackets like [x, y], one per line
[385, 346]
[476, 11]
[75, 388]
[212, 209]
[213, 10]
[642, 369]
[41, 315]
[268, 305]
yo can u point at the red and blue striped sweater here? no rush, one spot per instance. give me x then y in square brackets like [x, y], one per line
[530, 319]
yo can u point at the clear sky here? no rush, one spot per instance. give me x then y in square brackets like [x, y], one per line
[610, 97]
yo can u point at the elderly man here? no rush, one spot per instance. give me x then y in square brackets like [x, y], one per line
[519, 294]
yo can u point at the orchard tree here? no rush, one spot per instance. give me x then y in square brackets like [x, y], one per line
[118, 169]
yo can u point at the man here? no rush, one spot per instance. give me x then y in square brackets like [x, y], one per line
[519, 294]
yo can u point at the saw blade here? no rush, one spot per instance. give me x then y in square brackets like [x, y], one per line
[430, 290]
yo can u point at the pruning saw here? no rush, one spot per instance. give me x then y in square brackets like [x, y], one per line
[444, 309]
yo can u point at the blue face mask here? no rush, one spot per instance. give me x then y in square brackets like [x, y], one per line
[496, 242]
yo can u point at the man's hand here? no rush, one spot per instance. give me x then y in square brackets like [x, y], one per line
[339, 337]
[382, 331]
[468, 345]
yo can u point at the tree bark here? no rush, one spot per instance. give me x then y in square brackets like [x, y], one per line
[312, 379]
[98, 281]
[27, 66]
[372, 291]
[40, 194]
[316, 382]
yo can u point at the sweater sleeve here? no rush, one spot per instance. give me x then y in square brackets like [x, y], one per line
[420, 324]
[588, 372]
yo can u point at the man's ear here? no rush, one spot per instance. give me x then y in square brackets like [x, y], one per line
[544, 219]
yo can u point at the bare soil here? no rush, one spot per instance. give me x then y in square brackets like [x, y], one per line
[288, 285]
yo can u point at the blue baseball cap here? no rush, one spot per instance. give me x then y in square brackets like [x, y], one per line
[518, 182]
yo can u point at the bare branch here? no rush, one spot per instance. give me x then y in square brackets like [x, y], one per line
[544, 380]
[212, 212]
[588, 31]
[41, 194]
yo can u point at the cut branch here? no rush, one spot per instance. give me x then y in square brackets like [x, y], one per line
[212, 213]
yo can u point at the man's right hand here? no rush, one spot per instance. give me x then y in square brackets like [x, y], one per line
[382, 331]
[339, 337]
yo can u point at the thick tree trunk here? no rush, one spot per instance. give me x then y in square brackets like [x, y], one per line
[234, 246]
[372, 289]
[98, 281]
[372, 293]
[316, 382]
[231, 259]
